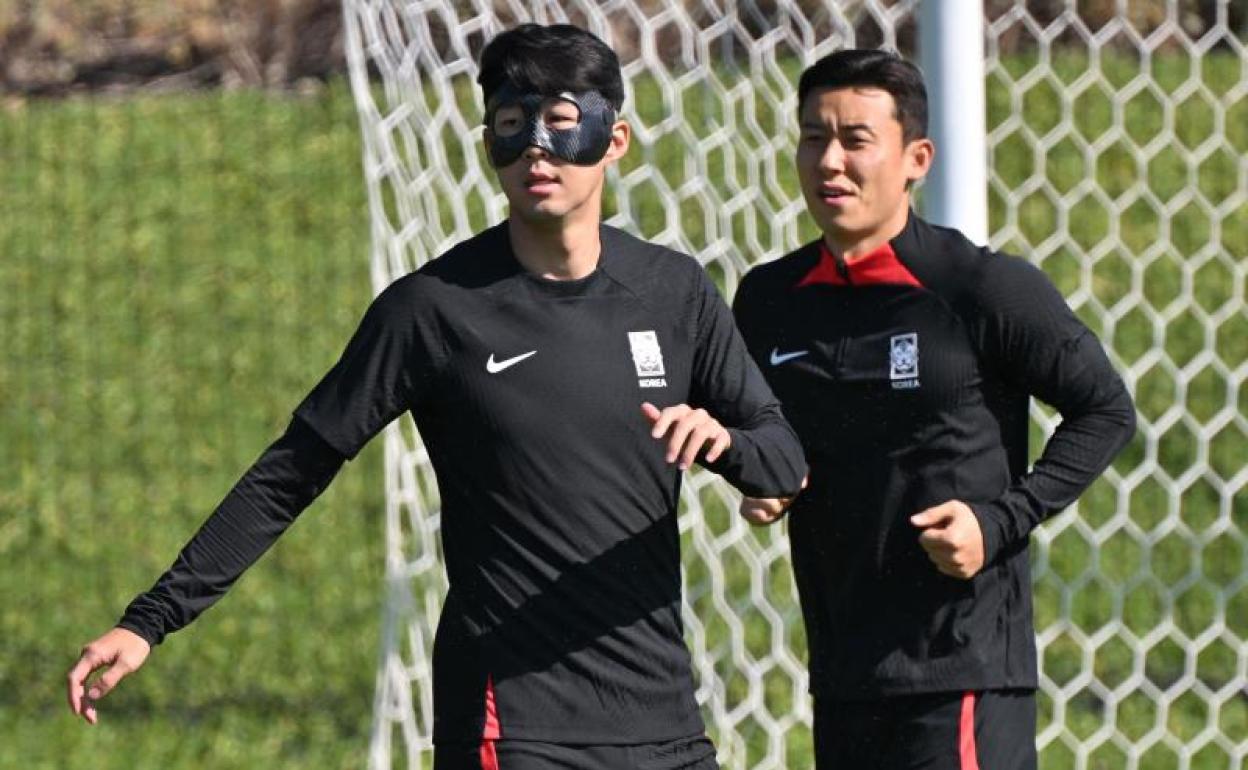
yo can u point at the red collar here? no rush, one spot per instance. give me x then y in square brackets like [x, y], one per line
[880, 266]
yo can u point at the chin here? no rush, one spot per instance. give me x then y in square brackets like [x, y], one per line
[843, 231]
[837, 226]
[538, 213]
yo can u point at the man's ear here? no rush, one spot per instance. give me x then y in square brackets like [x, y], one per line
[621, 136]
[919, 156]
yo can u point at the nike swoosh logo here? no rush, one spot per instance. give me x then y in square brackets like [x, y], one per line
[494, 367]
[778, 358]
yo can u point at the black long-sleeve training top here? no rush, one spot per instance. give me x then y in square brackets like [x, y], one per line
[558, 508]
[907, 374]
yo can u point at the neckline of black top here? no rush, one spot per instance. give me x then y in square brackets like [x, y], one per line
[557, 287]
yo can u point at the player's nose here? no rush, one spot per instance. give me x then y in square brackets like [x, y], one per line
[833, 158]
[533, 152]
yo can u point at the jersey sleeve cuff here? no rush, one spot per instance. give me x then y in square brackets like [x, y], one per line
[757, 473]
[991, 528]
[146, 634]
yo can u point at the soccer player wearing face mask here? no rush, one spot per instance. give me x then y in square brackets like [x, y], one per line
[562, 374]
[905, 357]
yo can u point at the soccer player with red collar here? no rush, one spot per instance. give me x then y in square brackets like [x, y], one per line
[905, 357]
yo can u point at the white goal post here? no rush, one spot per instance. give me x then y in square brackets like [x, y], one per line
[1111, 154]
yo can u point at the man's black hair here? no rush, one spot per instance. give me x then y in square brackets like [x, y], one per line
[550, 60]
[862, 67]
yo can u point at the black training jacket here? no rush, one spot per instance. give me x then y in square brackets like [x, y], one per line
[907, 375]
[558, 508]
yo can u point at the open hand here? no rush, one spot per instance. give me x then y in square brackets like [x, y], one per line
[119, 652]
[688, 430]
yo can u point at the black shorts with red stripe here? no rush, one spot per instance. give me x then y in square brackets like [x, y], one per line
[989, 730]
[693, 753]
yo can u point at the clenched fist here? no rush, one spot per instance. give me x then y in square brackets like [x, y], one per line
[952, 538]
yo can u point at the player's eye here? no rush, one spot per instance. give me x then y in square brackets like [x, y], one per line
[507, 121]
[559, 114]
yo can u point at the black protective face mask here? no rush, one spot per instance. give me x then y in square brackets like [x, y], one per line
[584, 144]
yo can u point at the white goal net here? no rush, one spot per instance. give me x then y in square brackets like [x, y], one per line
[1117, 133]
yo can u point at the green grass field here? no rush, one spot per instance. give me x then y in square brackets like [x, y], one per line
[179, 269]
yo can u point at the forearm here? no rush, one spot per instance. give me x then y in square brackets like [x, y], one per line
[765, 458]
[1081, 448]
[266, 500]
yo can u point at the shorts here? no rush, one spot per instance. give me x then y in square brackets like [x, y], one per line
[988, 730]
[692, 753]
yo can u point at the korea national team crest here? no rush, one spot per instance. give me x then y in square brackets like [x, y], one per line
[648, 359]
[903, 360]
